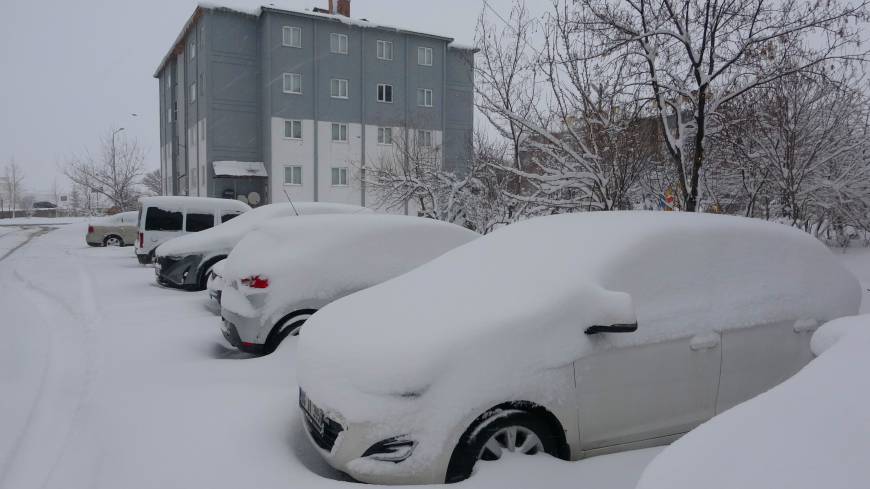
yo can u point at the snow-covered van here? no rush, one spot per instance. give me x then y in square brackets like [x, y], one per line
[573, 335]
[164, 218]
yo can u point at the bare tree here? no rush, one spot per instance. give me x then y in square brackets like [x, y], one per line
[690, 58]
[13, 182]
[412, 175]
[583, 141]
[113, 171]
[153, 182]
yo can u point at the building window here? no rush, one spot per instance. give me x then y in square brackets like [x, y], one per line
[338, 43]
[424, 138]
[192, 92]
[291, 36]
[292, 175]
[385, 135]
[338, 88]
[424, 97]
[424, 56]
[339, 176]
[192, 49]
[293, 129]
[339, 132]
[385, 93]
[292, 83]
[385, 50]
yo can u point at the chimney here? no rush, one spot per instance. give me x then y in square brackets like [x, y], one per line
[344, 8]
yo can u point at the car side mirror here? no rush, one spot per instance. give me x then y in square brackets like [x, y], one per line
[613, 328]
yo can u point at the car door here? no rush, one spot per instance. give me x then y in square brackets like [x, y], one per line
[640, 393]
[756, 358]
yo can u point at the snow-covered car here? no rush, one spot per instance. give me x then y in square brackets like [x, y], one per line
[574, 335]
[116, 230]
[215, 284]
[184, 262]
[286, 270]
[165, 217]
[764, 441]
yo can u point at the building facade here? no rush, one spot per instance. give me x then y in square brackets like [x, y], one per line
[260, 105]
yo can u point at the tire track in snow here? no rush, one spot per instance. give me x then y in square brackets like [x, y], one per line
[70, 333]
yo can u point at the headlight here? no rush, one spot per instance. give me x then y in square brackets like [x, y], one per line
[395, 449]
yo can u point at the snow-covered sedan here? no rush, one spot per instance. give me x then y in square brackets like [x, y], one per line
[574, 335]
[286, 270]
[185, 262]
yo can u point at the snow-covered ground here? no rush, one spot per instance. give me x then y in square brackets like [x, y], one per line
[110, 381]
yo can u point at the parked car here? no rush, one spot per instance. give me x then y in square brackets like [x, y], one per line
[44, 205]
[163, 218]
[117, 230]
[572, 335]
[185, 262]
[284, 271]
[215, 283]
[763, 442]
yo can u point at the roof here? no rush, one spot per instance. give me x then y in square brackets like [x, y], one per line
[361, 23]
[194, 202]
[240, 169]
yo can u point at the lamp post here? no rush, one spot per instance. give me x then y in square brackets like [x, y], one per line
[114, 168]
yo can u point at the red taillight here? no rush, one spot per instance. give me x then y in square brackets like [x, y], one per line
[256, 282]
[90, 230]
[141, 240]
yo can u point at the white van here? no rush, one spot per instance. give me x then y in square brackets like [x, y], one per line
[164, 218]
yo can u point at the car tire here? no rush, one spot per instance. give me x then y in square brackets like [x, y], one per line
[113, 240]
[287, 326]
[500, 430]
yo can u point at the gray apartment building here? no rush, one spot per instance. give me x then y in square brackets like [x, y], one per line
[257, 104]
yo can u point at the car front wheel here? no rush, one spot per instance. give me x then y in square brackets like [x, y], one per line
[504, 431]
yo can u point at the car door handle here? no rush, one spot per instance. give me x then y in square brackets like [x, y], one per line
[805, 325]
[706, 341]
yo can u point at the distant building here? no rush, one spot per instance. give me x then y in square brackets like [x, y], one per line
[260, 103]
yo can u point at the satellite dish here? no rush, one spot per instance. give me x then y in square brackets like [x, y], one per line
[254, 198]
[242, 198]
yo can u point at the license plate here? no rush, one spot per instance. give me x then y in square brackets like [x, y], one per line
[313, 413]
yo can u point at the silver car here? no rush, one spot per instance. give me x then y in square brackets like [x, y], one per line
[572, 335]
[115, 230]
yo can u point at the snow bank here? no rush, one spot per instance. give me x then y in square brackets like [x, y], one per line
[314, 260]
[221, 239]
[812, 431]
[533, 287]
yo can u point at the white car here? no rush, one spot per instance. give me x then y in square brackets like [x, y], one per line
[166, 217]
[810, 432]
[286, 270]
[574, 335]
[185, 262]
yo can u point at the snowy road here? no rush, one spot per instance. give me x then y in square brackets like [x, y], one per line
[110, 381]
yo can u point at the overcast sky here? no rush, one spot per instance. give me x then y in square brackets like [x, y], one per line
[73, 69]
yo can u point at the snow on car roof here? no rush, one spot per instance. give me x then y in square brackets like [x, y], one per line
[193, 203]
[812, 431]
[533, 287]
[317, 258]
[224, 237]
